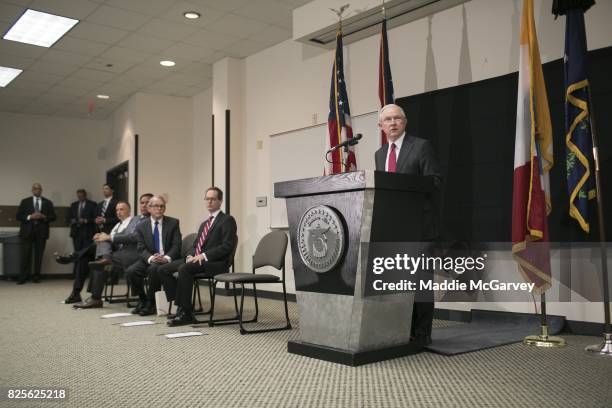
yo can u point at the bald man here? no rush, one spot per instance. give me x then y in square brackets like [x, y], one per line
[35, 214]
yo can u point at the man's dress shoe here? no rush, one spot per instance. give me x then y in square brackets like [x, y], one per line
[182, 319]
[73, 298]
[88, 303]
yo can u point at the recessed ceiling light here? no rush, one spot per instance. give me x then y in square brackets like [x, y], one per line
[191, 15]
[8, 74]
[167, 63]
[103, 96]
[38, 28]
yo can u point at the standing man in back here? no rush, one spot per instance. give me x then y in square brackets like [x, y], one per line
[35, 214]
[107, 215]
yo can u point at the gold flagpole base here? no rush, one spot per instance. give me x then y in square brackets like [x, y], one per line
[544, 340]
[602, 349]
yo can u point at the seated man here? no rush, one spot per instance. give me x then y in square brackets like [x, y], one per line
[159, 242]
[119, 249]
[210, 254]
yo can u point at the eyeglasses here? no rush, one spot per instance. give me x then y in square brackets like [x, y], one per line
[160, 206]
[392, 119]
[210, 199]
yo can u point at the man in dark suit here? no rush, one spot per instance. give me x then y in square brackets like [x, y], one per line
[107, 216]
[159, 243]
[80, 218]
[210, 254]
[411, 155]
[35, 213]
[117, 249]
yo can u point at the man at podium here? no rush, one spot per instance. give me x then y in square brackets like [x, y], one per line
[411, 155]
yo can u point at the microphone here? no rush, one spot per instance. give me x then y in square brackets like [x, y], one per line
[349, 142]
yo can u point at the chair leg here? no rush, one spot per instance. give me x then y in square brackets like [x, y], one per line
[245, 331]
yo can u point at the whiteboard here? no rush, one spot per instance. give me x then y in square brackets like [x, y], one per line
[300, 153]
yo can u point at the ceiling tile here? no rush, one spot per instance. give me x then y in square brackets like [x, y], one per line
[125, 54]
[84, 84]
[119, 18]
[219, 55]
[19, 92]
[10, 13]
[210, 39]
[130, 80]
[77, 9]
[167, 29]
[163, 87]
[187, 52]
[49, 67]
[149, 7]
[145, 43]
[15, 61]
[61, 89]
[223, 5]
[27, 85]
[96, 32]
[244, 48]
[20, 49]
[207, 14]
[39, 77]
[268, 11]
[271, 35]
[80, 46]
[93, 75]
[236, 26]
[65, 58]
[197, 68]
[149, 71]
[109, 65]
[23, 3]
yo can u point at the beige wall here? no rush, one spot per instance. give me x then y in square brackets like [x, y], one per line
[62, 154]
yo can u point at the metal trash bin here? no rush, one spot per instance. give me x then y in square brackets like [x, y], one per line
[11, 254]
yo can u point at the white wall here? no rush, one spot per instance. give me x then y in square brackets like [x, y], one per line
[174, 153]
[62, 154]
[288, 84]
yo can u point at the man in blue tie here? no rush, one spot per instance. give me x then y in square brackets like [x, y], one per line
[35, 214]
[159, 243]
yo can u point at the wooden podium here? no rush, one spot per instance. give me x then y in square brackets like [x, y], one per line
[332, 219]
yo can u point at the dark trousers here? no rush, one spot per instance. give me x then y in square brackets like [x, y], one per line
[166, 275]
[423, 308]
[136, 275]
[184, 284]
[36, 243]
[122, 260]
[85, 249]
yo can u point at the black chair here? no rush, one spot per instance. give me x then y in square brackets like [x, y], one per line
[186, 245]
[270, 252]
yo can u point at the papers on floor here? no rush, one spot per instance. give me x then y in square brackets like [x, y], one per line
[183, 334]
[113, 315]
[138, 323]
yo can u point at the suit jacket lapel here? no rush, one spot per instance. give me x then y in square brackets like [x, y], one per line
[216, 222]
[165, 233]
[407, 146]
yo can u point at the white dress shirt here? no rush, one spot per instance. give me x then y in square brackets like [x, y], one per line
[120, 227]
[214, 215]
[34, 198]
[161, 241]
[398, 146]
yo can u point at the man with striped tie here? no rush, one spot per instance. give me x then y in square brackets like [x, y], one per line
[159, 243]
[210, 254]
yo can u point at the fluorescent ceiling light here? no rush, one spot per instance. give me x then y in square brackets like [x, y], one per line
[8, 74]
[167, 63]
[191, 15]
[38, 28]
[103, 96]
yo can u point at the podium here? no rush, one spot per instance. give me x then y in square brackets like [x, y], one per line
[332, 219]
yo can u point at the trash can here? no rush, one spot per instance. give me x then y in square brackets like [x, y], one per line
[11, 251]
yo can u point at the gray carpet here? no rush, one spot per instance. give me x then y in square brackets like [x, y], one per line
[47, 344]
[490, 329]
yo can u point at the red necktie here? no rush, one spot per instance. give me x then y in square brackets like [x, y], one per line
[203, 235]
[392, 159]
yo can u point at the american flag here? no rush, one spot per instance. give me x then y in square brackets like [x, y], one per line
[339, 121]
[385, 82]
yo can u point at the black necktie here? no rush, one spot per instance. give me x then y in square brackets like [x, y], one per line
[37, 205]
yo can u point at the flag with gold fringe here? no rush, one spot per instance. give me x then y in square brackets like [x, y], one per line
[533, 159]
[385, 82]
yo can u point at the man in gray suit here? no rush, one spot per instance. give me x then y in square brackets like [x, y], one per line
[159, 242]
[119, 249]
[411, 155]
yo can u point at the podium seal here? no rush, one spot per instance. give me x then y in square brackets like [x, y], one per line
[321, 238]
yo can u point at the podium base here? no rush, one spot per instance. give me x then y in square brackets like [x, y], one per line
[348, 357]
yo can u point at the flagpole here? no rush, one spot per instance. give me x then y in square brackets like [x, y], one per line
[605, 347]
